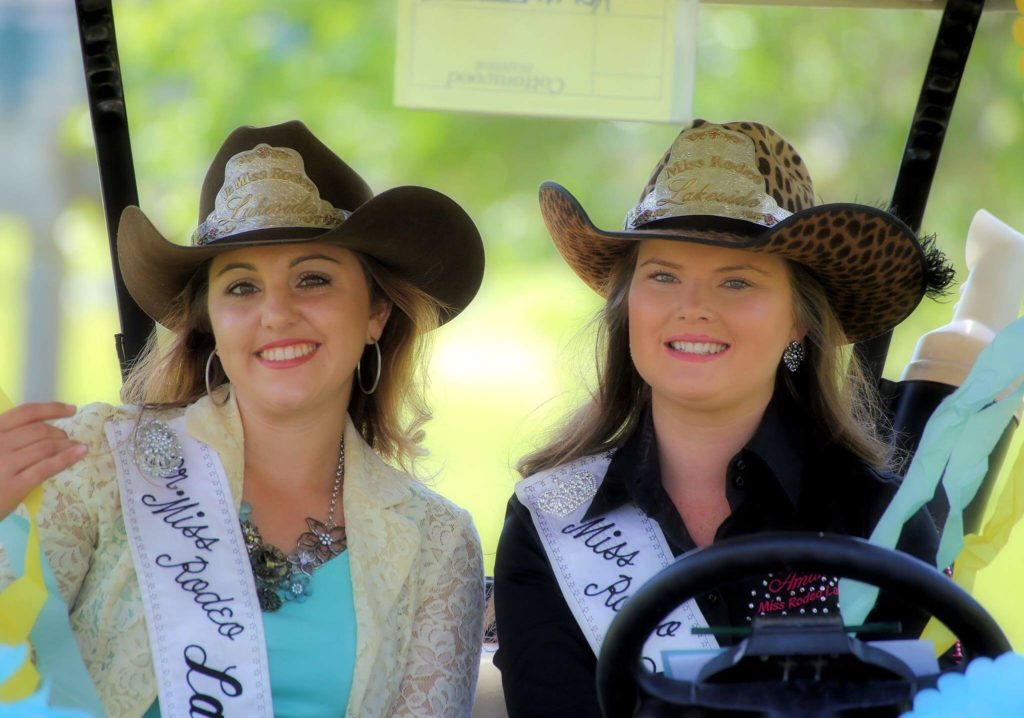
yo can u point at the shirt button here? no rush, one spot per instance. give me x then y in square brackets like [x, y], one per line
[737, 481]
[712, 598]
[740, 464]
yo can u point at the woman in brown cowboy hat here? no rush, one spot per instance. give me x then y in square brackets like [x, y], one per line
[237, 539]
[725, 405]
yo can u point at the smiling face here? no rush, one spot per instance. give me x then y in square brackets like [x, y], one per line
[291, 322]
[708, 325]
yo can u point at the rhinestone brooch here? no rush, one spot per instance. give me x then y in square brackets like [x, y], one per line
[569, 494]
[157, 449]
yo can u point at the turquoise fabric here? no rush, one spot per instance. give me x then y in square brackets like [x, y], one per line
[311, 647]
[57, 656]
[986, 688]
[955, 447]
[35, 706]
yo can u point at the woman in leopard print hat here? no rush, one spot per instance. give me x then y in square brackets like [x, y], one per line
[725, 405]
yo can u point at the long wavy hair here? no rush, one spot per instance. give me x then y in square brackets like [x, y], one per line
[830, 385]
[170, 371]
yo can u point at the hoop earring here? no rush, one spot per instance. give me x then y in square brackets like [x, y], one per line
[359, 372]
[793, 356]
[209, 392]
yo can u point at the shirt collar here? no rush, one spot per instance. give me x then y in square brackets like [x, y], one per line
[634, 473]
[780, 442]
[215, 421]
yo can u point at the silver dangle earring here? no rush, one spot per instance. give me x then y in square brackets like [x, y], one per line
[209, 391]
[793, 356]
[376, 379]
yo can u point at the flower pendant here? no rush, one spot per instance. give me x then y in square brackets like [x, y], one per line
[322, 542]
[281, 578]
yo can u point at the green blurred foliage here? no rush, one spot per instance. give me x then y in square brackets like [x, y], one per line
[840, 84]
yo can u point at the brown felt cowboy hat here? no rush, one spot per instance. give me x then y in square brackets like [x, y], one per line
[281, 184]
[742, 185]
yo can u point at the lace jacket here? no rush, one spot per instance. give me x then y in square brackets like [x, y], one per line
[417, 574]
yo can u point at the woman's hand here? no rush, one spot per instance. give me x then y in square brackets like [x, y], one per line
[32, 451]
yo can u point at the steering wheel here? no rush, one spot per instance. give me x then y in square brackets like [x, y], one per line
[621, 674]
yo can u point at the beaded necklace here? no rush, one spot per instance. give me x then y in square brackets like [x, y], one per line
[281, 578]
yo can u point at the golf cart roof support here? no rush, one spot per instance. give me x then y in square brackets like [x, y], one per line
[114, 155]
[924, 144]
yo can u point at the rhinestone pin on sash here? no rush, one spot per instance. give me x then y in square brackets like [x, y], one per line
[569, 494]
[157, 449]
[281, 578]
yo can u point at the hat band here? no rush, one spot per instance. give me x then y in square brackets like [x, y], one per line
[753, 207]
[216, 227]
[266, 188]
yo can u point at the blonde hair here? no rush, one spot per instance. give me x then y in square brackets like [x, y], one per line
[830, 386]
[171, 373]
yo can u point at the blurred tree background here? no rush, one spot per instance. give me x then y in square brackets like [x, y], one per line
[841, 84]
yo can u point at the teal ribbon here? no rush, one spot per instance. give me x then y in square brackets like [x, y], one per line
[954, 451]
[36, 705]
[58, 659]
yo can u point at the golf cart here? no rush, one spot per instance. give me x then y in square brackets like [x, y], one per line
[794, 657]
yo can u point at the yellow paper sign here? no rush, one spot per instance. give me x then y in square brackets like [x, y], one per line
[609, 59]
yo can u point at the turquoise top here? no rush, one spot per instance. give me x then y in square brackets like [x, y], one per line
[311, 647]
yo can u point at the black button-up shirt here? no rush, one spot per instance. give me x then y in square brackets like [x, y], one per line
[784, 479]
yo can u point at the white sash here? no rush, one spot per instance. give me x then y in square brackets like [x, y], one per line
[204, 621]
[599, 563]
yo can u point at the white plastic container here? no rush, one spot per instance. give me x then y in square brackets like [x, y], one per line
[990, 299]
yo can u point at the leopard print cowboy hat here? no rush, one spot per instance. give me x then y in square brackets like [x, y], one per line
[742, 185]
[280, 184]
